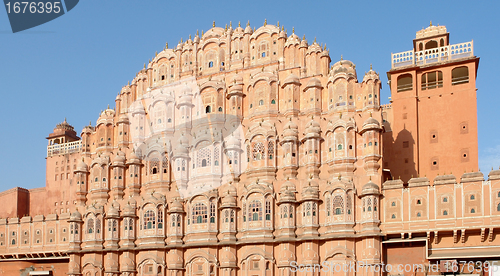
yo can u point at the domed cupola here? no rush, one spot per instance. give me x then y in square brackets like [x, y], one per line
[133, 159]
[370, 124]
[291, 79]
[119, 159]
[248, 29]
[370, 188]
[75, 216]
[176, 206]
[293, 39]
[287, 193]
[82, 167]
[343, 68]
[228, 201]
[310, 192]
[313, 129]
[290, 131]
[303, 43]
[239, 29]
[371, 75]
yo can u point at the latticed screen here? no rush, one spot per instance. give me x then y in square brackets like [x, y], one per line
[199, 213]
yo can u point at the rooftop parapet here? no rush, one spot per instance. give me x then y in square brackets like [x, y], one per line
[419, 182]
[494, 175]
[392, 184]
[445, 179]
[434, 55]
[472, 177]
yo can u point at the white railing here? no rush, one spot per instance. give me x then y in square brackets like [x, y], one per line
[64, 148]
[439, 54]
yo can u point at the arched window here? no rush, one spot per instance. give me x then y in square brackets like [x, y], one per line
[393, 204]
[220, 109]
[445, 199]
[328, 207]
[255, 211]
[445, 213]
[432, 80]
[472, 197]
[270, 149]
[199, 213]
[393, 216]
[498, 194]
[261, 102]
[212, 212]
[498, 207]
[160, 218]
[90, 226]
[210, 64]
[130, 224]
[431, 44]
[460, 75]
[258, 151]
[98, 226]
[149, 220]
[405, 83]
[472, 211]
[418, 214]
[339, 147]
[268, 209]
[208, 109]
[273, 101]
[338, 205]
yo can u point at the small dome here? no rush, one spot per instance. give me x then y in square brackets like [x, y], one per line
[292, 78]
[314, 82]
[313, 127]
[76, 216]
[82, 167]
[293, 39]
[228, 201]
[248, 29]
[304, 43]
[133, 158]
[119, 158]
[291, 129]
[343, 67]
[232, 142]
[123, 118]
[370, 188]
[113, 210]
[310, 193]
[371, 75]
[371, 121]
[176, 206]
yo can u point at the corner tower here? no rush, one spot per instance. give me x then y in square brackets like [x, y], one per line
[431, 122]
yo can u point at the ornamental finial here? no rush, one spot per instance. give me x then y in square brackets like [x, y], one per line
[213, 24]
[248, 23]
[430, 24]
[265, 22]
[239, 23]
[293, 30]
[371, 67]
[278, 25]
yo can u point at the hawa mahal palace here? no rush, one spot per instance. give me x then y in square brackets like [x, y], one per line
[248, 152]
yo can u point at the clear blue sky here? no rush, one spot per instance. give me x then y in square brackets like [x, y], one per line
[75, 65]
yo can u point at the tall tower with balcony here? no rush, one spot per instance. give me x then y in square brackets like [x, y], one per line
[431, 123]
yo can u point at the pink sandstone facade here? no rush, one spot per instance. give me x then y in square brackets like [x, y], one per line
[320, 173]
